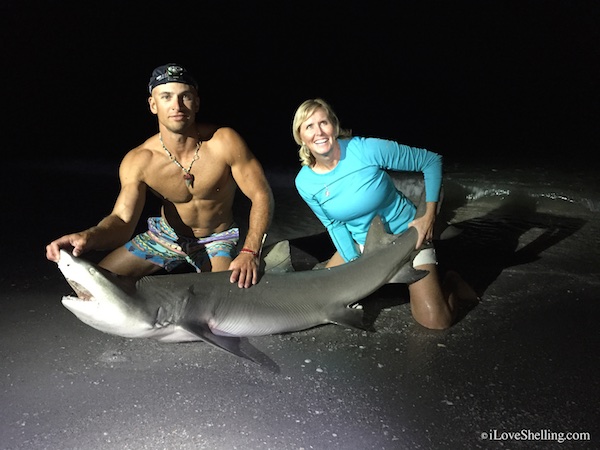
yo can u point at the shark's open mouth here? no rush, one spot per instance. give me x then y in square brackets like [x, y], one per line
[81, 292]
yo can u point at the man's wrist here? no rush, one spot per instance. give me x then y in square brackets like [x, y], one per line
[249, 251]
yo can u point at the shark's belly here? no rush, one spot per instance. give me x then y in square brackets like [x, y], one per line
[173, 334]
[262, 325]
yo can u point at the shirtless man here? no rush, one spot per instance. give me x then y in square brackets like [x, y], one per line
[195, 169]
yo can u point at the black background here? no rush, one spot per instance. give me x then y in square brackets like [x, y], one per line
[475, 80]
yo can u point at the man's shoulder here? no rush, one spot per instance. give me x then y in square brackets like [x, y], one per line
[147, 147]
[226, 144]
[142, 153]
[206, 131]
[221, 134]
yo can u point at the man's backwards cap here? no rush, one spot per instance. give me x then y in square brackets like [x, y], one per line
[170, 73]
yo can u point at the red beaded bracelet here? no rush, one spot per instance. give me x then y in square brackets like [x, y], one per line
[247, 250]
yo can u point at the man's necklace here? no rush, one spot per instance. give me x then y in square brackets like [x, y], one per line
[187, 176]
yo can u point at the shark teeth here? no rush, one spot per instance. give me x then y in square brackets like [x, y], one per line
[81, 292]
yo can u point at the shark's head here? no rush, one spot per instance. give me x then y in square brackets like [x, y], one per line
[102, 300]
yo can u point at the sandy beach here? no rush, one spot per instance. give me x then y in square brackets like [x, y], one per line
[508, 94]
[524, 360]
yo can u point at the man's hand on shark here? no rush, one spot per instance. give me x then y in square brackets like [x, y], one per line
[244, 270]
[74, 243]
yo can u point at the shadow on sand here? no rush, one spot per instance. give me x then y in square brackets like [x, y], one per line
[480, 250]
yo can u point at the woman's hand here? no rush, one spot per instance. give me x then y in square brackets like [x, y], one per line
[424, 224]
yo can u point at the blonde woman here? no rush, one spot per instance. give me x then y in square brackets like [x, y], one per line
[343, 180]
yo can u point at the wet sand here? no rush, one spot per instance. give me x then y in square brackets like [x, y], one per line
[524, 360]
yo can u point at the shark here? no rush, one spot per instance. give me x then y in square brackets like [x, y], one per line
[207, 307]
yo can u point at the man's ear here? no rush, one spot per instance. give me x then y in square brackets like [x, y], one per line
[197, 103]
[152, 104]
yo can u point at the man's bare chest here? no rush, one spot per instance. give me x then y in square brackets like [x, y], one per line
[206, 183]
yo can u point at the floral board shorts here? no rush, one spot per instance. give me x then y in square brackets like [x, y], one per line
[162, 246]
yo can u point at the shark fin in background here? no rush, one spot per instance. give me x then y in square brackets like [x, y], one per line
[450, 232]
[278, 258]
[225, 343]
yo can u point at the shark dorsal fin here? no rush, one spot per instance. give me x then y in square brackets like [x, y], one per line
[377, 236]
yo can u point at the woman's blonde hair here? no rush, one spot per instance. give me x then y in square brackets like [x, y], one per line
[304, 111]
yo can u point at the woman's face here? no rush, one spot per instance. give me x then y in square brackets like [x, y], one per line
[318, 133]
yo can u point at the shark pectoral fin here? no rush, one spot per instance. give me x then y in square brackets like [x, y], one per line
[408, 274]
[349, 317]
[226, 343]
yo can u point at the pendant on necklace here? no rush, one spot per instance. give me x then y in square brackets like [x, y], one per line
[189, 179]
[187, 176]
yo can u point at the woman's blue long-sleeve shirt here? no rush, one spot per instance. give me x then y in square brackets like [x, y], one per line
[348, 197]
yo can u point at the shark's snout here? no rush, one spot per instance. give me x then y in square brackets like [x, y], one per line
[68, 266]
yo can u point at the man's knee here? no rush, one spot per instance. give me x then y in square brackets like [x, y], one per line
[219, 263]
[122, 262]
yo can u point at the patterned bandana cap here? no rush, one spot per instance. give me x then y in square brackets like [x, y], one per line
[170, 73]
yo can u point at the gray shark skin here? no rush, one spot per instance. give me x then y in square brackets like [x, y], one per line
[207, 307]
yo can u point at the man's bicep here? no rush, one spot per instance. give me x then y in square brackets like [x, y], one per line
[132, 196]
[130, 202]
[250, 177]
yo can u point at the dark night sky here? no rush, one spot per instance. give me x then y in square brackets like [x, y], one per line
[469, 79]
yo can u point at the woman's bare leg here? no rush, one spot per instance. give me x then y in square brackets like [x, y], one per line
[435, 306]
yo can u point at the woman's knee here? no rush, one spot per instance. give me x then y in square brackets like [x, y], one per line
[439, 321]
[428, 305]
